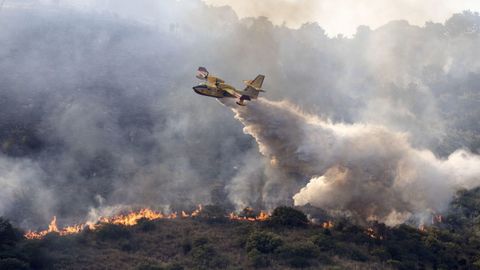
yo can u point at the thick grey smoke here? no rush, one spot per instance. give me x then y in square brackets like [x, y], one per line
[97, 110]
[364, 170]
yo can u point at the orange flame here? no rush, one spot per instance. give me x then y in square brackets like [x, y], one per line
[262, 216]
[133, 217]
[327, 224]
[370, 232]
[373, 233]
[52, 227]
[130, 219]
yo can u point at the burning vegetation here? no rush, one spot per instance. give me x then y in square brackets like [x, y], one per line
[285, 216]
[132, 218]
[208, 238]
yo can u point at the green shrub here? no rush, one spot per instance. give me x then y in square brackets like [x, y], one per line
[128, 245]
[8, 234]
[150, 266]
[155, 266]
[298, 254]
[357, 255]
[394, 263]
[54, 242]
[213, 213]
[258, 259]
[241, 233]
[335, 267]
[186, 245]
[174, 266]
[203, 254]
[264, 242]
[476, 264]
[288, 216]
[350, 251]
[354, 234]
[206, 257]
[380, 253]
[299, 249]
[13, 264]
[324, 242]
[146, 225]
[113, 232]
[200, 241]
[35, 254]
[298, 262]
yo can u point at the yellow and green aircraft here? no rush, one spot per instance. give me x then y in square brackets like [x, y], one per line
[216, 87]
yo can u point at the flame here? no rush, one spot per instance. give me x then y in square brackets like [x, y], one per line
[373, 233]
[262, 216]
[370, 232]
[52, 227]
[130, 219]
[197, 211]
[327, 224]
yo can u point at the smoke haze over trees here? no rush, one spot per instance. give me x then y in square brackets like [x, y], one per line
[97, 111]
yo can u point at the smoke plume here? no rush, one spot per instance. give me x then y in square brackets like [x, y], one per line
[364, 170]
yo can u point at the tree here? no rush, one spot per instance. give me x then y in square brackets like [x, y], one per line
[288, 216]
[213, 213]
[8, 234]
[264, 242]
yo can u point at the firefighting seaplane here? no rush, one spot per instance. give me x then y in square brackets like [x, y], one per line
[217, 88]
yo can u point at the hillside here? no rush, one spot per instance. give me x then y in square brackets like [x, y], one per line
[284, 241]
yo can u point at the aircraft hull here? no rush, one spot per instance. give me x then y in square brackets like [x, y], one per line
[209, 92]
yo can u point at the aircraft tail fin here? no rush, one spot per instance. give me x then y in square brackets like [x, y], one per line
[256, 83]
[254, 87]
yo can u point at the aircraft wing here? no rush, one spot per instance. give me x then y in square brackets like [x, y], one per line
[232, 92]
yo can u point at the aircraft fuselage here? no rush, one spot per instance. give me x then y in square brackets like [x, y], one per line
[205, 90]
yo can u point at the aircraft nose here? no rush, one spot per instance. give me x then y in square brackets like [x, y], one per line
[198, 88]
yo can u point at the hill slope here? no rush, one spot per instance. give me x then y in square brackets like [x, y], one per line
[285, 241]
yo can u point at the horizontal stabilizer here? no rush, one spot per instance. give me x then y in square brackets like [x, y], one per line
[254, 87]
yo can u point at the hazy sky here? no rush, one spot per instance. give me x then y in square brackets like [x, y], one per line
[343, 16]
